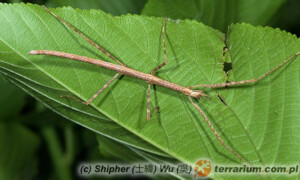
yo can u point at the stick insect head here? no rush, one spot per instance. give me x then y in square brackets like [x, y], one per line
[197, 94]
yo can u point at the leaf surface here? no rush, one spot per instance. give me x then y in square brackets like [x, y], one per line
[257, 116]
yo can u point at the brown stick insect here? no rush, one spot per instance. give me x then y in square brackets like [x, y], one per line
[150, 78]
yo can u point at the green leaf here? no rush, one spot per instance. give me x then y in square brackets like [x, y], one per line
[215, 13]
[257, 118]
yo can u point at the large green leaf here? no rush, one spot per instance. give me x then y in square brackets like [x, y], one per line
[215, 13]
[257, 117]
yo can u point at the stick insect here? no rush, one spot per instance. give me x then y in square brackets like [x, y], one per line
[150, 78]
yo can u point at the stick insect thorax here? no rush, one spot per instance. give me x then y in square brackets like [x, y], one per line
[125, 71]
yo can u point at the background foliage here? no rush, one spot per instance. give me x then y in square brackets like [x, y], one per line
[47, 137]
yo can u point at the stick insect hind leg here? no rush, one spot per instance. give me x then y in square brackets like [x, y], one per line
[216, 133]
[232, 84]
[155, 69]
[95, 45]
[246, 81]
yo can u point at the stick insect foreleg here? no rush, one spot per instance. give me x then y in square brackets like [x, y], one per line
[246, 81]
[82, 35]
[95, 45]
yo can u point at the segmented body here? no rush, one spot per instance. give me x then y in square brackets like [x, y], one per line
[124, 70]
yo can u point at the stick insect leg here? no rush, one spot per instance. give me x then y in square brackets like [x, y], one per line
[155, 69]
[246, 81]
[215, 132]
[164, 45]
[148, 102]
[95, 95]
[155, 109]
[82, 35]
[149, 115]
